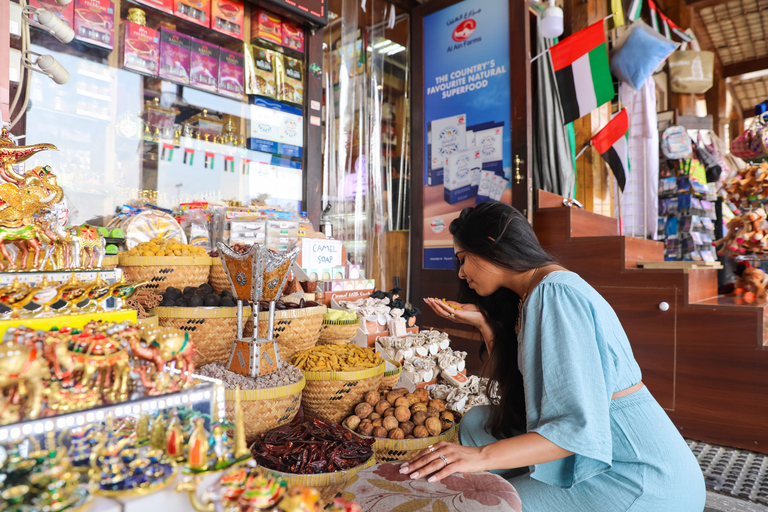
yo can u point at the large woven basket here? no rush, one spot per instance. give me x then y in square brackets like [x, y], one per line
[265, 409]
[328, 484]
[218, 278]
[295, 329]
[165, 271]
[338, 333]
[212, 329]
[392, 450]
[391, 376]
[109, 263]
[332, 396]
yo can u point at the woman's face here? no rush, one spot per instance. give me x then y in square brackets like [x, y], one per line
[480, 274]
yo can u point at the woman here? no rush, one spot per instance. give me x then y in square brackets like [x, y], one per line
[571, 406]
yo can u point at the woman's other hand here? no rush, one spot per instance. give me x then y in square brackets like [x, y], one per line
[443, 459]
[468, 314]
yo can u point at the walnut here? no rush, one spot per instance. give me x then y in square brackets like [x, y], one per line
[363, 410]
[365, 428]
[418, 407]
[377, 423]
[352, 422]
[419, 418]
[432, 412]
[372, 397]
[380, 432]
[389, 412]
[434, 426]
[402, 413]
[390, 422]
[421, 432]
[396, 433]
[407, 427]
[437, 404]
[423, 395]
[374, 416]
[402, 402]
[382, 406]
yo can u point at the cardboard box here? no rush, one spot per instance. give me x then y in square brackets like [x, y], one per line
[345, 295]
[490, 142]
[141, 48]
[267, 26]
[276, 128]
[95, 22]
[65, 13]
[447, 136]
[165, 6]
[197, 11]
[203, 65]
[227, 17]
[231, 73]
[369, 340]
[174, 56]
[293, 36]
[484, 189]
[462, 176]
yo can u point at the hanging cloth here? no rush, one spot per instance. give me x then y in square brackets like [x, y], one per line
[553, 169]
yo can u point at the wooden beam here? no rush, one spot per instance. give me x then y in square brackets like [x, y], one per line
[735, 100]
[701, 4]
[749, 66]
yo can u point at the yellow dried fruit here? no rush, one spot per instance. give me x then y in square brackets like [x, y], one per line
[365, 428]
[377, 423]
[423, 395]
[389, 412]
[402, 402]
[421, 406]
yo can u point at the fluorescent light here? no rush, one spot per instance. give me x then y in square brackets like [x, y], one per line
[383, 42]
[396, 50]
[387, 48]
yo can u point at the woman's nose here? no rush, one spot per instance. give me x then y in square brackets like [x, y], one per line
[462, 275]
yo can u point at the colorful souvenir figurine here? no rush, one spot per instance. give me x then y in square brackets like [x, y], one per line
[197, 457]
[174, 439]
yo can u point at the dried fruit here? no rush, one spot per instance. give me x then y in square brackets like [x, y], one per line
[402, 401]
[412, 398]
[352, 422]
[420, 432]
[437, 404]
[432, 412]
[382, 406]
[419, 418]
[389, 412]
[421, 406]
[402, 413]
[377, 423]
[365, 428]
[390, 422]
[372, 397]
[363, 410]
[434, 426]
[423, 394]
[374, 416]
[447, 416]
[396, 433]
[410, 436]
[380, 432]
[407, 427]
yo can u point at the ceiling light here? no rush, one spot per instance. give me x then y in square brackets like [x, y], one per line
[383, 42]
[552, 21]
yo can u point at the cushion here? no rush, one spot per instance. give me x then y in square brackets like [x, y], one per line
[381, 488]
[641, 52]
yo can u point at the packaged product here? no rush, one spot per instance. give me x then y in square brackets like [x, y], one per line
[260, 70]
[293, 36]
[231, 73]
[141, 48]
[227, 17]
[95, 22]
[174, 56]
[447, 136]
[64, 12]
[165, 6]
[197, 11]
[490, 141]
[461, 176]
[290, 86]
[484, 189]
[204, 65]
[267, 26]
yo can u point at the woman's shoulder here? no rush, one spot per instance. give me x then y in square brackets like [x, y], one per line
[564, 283]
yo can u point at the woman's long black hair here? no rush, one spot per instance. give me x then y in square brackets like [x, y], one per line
[499, 233]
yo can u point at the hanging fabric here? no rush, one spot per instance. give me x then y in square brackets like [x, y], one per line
[553, 165]
[654, 16]
[617, 11]
[639, 203]
[635, 9]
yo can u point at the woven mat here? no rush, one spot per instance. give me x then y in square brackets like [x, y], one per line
[733, 472]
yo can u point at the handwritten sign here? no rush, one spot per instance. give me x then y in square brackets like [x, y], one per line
[321, 253]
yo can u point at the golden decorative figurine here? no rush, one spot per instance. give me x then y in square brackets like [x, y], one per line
[197, 457]
[174, 439]
[157, 437]
[241, 450]
[20, 368]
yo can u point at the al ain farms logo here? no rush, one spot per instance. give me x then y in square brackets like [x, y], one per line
[464, 30]
[437, 225]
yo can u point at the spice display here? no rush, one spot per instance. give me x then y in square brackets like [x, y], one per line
[160, 247]
[398, 414]
[310, 448]
[286, 375]
[280, 305]
[197, 296]
[340, 358]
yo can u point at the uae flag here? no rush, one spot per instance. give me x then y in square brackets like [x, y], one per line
[581, 68]
[612, 142]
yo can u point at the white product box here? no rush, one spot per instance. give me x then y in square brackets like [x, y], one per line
[461, 176]
[497, 187]
[490, 142]
[484, 189]
[447, 136]
[276, 126]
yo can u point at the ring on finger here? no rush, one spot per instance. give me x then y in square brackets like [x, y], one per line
[445, 461]
[453, 315]
[431, 448]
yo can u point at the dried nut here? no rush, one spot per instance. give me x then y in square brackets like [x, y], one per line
[382, 406]
[365, 429]
[372, 397]
[377, 423]
[352, 422]
[407, 427]
[447, 416]
[363, 410]
[421, 432]
[423, 395]
[437, 404]
[401, 391]
[402, 413]
[432, 412]
[389, 412]
[402, 401]
[380, 432]
[418, 407]
[396, 433]
[390, 422]
[412, 398]
[392, 397]
[419, 418]
[434, 426]
[374, 416]
[410, 436]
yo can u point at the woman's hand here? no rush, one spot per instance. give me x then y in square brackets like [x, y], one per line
[443, 459]
[468, 314]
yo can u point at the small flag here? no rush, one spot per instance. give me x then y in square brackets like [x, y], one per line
[612, 142]
[167, 154]
[654, 16]
[246, 167]
[618, 14]
[209, 160]
[635, 9]
[189, 156]
[679, 32]
[229, 164]
[665, 24]
[581, 68]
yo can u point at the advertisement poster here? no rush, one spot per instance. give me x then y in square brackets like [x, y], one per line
[467, 104]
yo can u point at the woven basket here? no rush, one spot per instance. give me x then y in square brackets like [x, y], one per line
[165, 271]
[150, 321]
[218, 278]
[325, 481]
[265, 409]
[338, 333]
[109, 263]
[295, 329]
[332, 396]
[392, 450]
[390, 378]
[212, 329]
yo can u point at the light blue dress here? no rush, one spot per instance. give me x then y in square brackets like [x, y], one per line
[628, 456]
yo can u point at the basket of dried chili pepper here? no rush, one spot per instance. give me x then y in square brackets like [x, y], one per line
[313, 454]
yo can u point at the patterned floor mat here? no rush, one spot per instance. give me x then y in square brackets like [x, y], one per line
[732, 471]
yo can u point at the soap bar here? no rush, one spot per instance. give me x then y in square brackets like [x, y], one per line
[457, 380]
